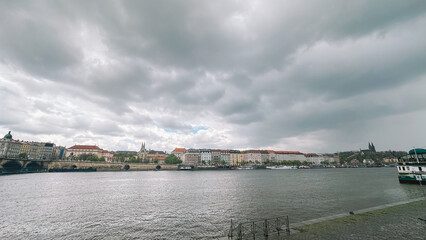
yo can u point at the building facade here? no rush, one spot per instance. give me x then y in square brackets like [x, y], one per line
[9, 148]
[179, 153]
[192, 157]
[206, 156]
[252, 156]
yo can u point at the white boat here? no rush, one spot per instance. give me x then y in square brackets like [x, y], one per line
[304, 167]
[245, 167]
[412, 167]
[281, 167]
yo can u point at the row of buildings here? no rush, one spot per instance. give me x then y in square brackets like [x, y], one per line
[237, 157]
[143, 155]
[45, 151]
[10, 148]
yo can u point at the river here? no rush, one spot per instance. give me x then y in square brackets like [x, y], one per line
[183, 204]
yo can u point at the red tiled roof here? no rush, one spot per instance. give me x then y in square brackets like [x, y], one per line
[270, 151]
[179, 150]
[85, 147]
[288, 152]
[251, 151]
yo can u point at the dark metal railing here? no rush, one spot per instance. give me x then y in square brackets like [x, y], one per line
[260, 229]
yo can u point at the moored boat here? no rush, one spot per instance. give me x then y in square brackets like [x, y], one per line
[246, 167]
[185, 167]
[412, 167]
[304, 167]
[281, 167]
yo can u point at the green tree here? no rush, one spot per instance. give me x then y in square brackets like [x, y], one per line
[155, 160]
[172, 159]
[23, 155]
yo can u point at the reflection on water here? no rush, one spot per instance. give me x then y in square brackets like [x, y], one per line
[175, 204]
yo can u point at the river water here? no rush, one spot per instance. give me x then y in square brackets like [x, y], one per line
[183, 204]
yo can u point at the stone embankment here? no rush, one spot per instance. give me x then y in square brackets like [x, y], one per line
[392, 221]
[102, 166]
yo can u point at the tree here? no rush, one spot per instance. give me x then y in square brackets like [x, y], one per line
[155, 161]
[23, 155]
[172, 159]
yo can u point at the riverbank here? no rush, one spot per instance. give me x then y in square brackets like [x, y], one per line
[394, 222]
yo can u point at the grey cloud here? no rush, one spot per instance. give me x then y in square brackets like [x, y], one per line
[255, 75]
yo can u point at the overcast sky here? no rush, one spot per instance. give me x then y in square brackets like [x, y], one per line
[311, 76]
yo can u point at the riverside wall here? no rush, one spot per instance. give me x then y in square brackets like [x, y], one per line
[103, 166]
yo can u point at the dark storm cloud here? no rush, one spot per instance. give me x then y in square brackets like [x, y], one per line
[253, 73]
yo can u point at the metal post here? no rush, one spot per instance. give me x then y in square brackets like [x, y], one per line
[421, 186]
[265, 230]
[278, 226]
[253, 230]
[230, 231]
[287, 225]
[240, 232]
[417, 158]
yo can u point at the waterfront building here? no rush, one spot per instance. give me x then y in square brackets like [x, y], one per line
[206, 156]
[60, 152]
[319, 159]
[289, 156]
[46, 151]
[225, 157]
[314, 158]
[78, 150]
[234, 156]
[215, 157]
[108, 155]
[329, 157]
[264, 156]
[240, 157]
[34, 149]
[158, 156]
[252, 156]
[25, 148]
[192, 157]
[9, 148]
[179, 153]
[271, 156]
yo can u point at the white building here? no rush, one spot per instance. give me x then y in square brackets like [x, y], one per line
[289, 156]
[206, 156]
[179, 153]
[9, 148]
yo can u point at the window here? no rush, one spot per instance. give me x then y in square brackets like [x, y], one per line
[403, 168]
[420, 169]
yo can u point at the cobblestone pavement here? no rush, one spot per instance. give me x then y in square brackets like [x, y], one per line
[398, 222]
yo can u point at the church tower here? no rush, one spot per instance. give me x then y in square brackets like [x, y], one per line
[142, 152]
[372, 148]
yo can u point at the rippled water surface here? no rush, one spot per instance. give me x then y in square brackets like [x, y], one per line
[182, 204]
